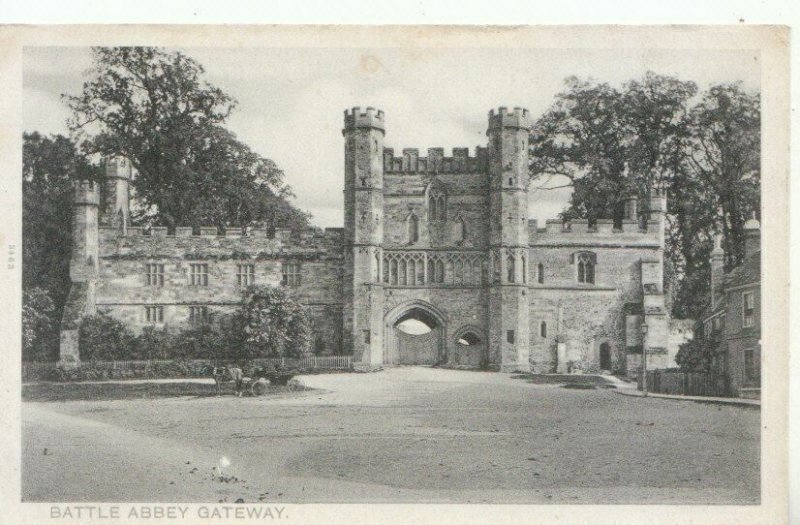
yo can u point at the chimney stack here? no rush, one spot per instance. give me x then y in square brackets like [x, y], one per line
[752, 236]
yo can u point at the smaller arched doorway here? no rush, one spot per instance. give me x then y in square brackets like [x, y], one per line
[470, 348]
[605, 357]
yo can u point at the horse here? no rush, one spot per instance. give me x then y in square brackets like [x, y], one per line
[224, 374]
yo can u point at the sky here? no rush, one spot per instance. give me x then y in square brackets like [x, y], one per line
[291, 101]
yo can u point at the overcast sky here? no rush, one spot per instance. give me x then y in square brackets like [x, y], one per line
[291, 100]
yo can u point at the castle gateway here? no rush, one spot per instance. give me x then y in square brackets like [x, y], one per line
[445, 240]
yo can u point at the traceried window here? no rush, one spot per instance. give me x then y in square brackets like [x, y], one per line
[510, 268]
[585, 262]
[198, 274]
[748, 309]
[291, 274]
[524, 269]
[198, 314]
[154, 314]
[155, 275]
[413, 228]
[437, 205]
[245, 274]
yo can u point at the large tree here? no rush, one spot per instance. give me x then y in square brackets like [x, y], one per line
[156, 108]
[608, 143]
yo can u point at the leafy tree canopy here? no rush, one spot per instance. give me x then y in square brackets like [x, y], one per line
[156, 108]
[607, 143]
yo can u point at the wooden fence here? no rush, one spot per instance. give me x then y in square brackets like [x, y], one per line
[687, 383]
[344, 362]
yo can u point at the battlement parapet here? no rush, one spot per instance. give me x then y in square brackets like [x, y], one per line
[369, 118]
[118, 168]
[602, 231]
[86, 192]
[519, 118]
[435, 162]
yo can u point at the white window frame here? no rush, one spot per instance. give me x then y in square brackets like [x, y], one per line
[198, 314]
[198, 274]
[154, 314]
[748, 320]
[291, 276]
[245, 274]
[155, 274]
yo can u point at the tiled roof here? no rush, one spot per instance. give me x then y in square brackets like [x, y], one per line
[748, 272]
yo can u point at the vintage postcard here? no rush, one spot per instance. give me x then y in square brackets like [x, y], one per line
[341, 273]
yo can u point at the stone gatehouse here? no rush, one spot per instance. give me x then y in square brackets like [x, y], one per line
[445, 240]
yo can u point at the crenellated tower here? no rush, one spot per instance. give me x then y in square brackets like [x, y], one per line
[363, 231]
[116, 205]
[86, 205]
[83, 268]
[508, 238]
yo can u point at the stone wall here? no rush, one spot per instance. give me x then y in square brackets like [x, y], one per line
[123, 290]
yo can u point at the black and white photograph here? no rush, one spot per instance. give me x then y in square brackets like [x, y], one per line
[408, 271]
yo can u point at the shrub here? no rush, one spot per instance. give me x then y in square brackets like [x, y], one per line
[101, 337]
[273, 324]
[697, 355]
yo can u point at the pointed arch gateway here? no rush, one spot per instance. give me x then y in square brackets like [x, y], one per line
[414, 346]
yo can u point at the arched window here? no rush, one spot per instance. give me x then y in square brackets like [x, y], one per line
[586, 262]
[540, 273]
[377, 268]
[403, 272]
[439, 271]
[458, 277]
[510, 269]
[449, 272]
[437, 205]
[432, 213]
[394, 271]
[524, 269]
[459, 230]
[413, 229]
[543, 329]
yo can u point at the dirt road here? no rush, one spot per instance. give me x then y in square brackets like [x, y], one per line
[401, 435]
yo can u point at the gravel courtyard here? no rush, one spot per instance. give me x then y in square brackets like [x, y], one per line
[401, 435]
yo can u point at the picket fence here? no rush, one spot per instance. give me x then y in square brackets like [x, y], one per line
[310, 362]
[687, 383]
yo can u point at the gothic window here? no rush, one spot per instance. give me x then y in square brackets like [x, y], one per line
[291, 274]
[413, 229]
[524, 269]
[245, 274]
[510, 273]
[404, 268]
[155, 275]
[198, 274]
[459, 230]
[540, 273]
[439, 271]
[377, 268]
[586, 262]
[458, 276]
[543, 329]
[437, 206]
[449, 271]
